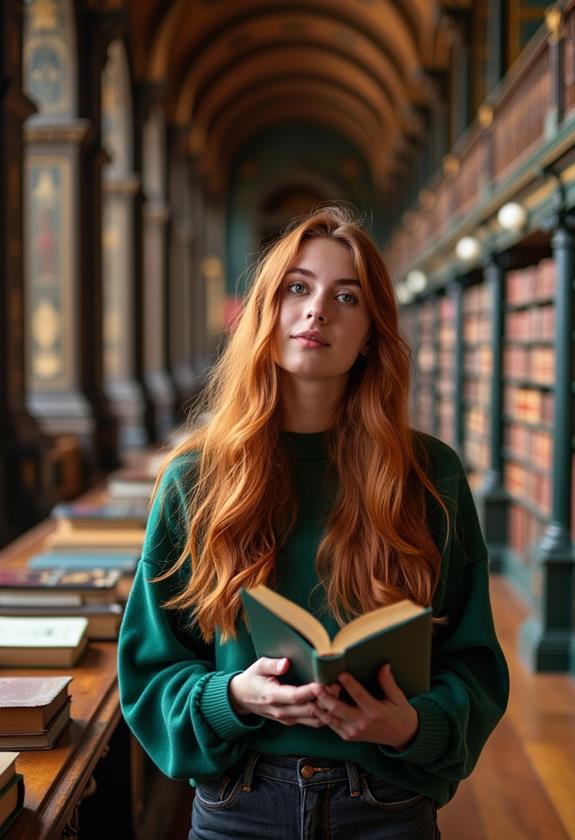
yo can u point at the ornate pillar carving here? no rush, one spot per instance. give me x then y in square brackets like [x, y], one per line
[24, 477]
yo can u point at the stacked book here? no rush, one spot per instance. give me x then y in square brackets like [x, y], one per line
[108, 535]
[11, 791]
[34, 712]
[94, 594]
[55, 642]
[131, 485]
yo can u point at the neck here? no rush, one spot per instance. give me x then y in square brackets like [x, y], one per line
[308, 405]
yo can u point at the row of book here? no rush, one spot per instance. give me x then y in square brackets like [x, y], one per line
[74, 590]
[70, 593]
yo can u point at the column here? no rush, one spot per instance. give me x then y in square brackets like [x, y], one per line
[455, 291]
[491, 497]
[24, 477]
[546, 639]
[150, 133]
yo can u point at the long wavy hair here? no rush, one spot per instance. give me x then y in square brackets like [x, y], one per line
[377, 547]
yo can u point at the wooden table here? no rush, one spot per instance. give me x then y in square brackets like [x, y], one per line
[57, 780]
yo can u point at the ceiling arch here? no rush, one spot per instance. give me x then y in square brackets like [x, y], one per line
[262, 67]
[360, 126]
[230, 69]
[327, 114]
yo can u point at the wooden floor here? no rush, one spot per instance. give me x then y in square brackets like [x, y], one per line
[523, 787]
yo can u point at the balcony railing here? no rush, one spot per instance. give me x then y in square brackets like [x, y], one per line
[521, 115]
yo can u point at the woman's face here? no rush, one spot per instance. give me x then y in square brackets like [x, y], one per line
[323, 320]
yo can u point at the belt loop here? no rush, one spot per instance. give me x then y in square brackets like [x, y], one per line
[249, 772]
[353, 778]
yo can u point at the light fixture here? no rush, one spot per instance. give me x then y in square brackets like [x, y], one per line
[512, 216]
[403, 294]
[416, 281]
[468, 248]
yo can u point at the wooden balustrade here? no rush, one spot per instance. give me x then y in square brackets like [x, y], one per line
[519, 119]
[489, 154]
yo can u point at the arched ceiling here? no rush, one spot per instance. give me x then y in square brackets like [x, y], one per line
[232, 68]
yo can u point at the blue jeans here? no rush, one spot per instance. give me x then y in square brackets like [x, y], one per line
[289, 798]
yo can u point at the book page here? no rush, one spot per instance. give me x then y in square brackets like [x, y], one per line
[297, 617]
[374, 621]
[41, 632]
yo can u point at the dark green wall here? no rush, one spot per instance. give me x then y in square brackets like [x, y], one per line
[302, 155]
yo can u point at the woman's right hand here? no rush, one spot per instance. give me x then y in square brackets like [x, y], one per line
[258, 691]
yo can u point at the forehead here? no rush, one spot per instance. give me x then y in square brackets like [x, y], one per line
[326, 255]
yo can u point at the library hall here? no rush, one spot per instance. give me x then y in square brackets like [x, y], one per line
[336, 237]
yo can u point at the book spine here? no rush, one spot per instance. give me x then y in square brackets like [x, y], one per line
[327, 668]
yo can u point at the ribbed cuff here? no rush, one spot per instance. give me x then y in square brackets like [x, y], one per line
[432, 738]
[218, 712]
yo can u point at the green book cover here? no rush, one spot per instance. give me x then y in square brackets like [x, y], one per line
[399, 634]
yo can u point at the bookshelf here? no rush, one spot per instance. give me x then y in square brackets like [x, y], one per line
[528, 374]
[477, 365]
[446, 369]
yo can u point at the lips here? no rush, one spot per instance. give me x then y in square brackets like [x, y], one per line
[312, 336]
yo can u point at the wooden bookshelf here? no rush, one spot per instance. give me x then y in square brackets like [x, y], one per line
[477, 365]
[528, 371]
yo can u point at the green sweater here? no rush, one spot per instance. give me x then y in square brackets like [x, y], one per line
[174, 686]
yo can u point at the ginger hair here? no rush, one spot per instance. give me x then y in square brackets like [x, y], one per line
[377, 547]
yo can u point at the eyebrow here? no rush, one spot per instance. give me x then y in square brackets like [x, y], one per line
[349, 281]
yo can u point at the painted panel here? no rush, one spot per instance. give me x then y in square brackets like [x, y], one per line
[49, 64]
[48, 255]
[117, 280]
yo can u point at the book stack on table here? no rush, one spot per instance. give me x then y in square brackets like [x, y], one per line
[95, 594]
[11, 791]
[34, 712]
[108, 535]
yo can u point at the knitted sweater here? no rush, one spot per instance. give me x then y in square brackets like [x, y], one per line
[174, 686]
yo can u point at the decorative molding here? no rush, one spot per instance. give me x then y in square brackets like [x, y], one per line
[36, 131]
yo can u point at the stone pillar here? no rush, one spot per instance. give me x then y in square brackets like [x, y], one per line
[182, 242]
[149, 152]
[496, 39]
[546, 639]
[24, 477]
[492, 497]
[455, 291]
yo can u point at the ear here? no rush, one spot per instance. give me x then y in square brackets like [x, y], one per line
[364, 352]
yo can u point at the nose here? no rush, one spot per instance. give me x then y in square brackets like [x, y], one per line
[315, 309]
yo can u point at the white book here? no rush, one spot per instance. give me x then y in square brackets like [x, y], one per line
[41, 632]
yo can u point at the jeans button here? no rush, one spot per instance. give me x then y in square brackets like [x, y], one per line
[307, 771]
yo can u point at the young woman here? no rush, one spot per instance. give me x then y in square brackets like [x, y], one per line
[309, 478]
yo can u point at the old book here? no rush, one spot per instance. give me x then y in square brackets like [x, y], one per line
[125, 560]
[58, 587]
[131, 483]
[103, 619]
[27, 704]
[7, 767]
[117, 514]
[44, 740]
[43, 642]
[89, 538]
[399, 634]
[11, 802]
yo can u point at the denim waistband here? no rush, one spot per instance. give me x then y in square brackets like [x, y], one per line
[303, 771]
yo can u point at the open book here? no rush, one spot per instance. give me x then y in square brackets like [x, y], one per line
[399, 634]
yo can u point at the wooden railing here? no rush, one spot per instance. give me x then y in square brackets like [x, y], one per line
[518, 118]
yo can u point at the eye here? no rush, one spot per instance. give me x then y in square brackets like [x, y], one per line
[296, 288]
[347, 297]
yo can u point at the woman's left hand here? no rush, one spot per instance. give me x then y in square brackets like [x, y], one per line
[391, 722]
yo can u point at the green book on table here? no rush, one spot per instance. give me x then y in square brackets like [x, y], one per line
[399, 634]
